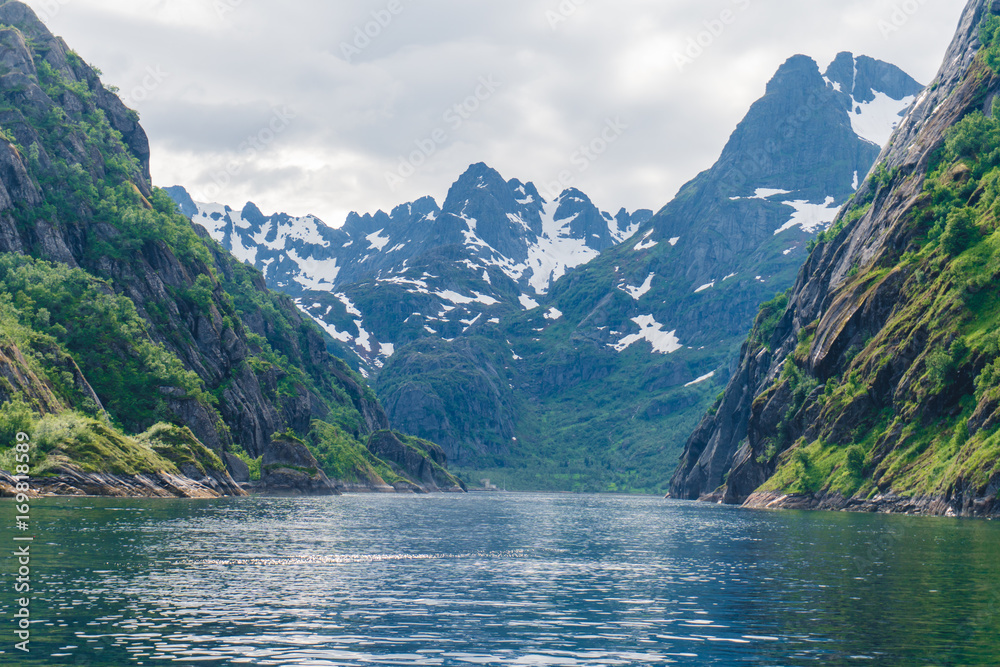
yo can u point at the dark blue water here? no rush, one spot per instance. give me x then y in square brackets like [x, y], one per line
[504, 579]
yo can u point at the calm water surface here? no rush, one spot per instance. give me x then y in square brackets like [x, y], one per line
[503, 579]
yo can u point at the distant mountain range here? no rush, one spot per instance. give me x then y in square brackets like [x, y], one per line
[480, 336]
[492, 248]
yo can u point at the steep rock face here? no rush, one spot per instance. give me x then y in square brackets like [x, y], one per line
[289, 468]
[872, 381]
[426, 459]
[18, 379]
[70, 482]
[455, 394]
[199, 338]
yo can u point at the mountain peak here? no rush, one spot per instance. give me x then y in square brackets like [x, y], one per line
[252, 214]
[862, 78]
[573, 193]
[797, 73]
[481, 173]
[841, 71]
[24, 18]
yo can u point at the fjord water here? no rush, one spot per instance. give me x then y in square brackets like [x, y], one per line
[498, 579]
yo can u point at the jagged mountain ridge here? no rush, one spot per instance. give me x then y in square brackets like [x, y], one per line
[781, 178]
[487, 230]
[873, 389]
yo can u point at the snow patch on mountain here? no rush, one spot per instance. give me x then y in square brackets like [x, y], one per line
[214, 218]
[663, 342]
[455, 297]
[875, 121]
[349, 305]
[764, 193]
[342, 336]
[314, 275]
[555, 251]
[376, 241]
[364, 338]
[621, 234]
[703, 378]
[640, 291]
[810, 217]
[646, 244]
[527, 302]
[244, 253]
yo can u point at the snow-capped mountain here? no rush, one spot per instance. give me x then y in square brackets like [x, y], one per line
[493, 247]
[656, 322]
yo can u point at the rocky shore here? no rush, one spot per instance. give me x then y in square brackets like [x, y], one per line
[959, 505]
[71, 481]
[288, 469]
[281, 482]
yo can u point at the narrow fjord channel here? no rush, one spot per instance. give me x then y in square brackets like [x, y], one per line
[503, 579]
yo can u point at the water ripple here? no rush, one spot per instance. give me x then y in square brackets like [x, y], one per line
[502, 580]
[345, 559]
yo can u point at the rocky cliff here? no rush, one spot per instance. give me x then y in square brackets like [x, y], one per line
[872, 383]
[129, 316]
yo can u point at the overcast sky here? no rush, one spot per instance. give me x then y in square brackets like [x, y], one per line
[324, 107]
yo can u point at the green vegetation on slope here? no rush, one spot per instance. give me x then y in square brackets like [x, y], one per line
[937, 355]
[147, 322]
[92, 445]
[104, 334]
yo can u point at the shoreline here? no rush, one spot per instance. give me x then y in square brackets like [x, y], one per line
[74, 483]
[970, 507]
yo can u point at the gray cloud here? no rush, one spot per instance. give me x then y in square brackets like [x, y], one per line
[359, 109]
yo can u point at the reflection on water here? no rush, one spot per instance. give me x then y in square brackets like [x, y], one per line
[503, 579]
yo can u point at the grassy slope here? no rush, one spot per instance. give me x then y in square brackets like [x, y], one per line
[941, 431]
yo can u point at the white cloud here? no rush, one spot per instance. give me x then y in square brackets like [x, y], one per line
[226, 75]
